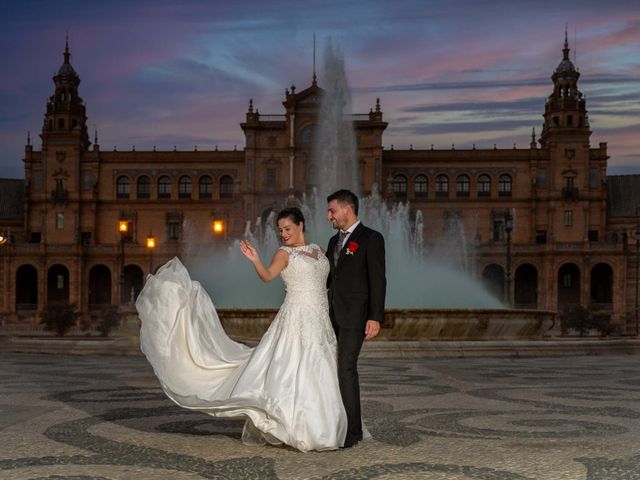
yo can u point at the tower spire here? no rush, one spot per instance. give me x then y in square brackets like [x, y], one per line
[314, 59]
[66, 49]
[565, 50]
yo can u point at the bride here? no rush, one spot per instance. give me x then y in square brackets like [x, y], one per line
[286, 388]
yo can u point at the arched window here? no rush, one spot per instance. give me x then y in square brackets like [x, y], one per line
[442, 186]
[304, 137]
[164, 187]
[484, 186]
[184, 187]
[421, 186]
[206, 187]
[226, 186]
[144, 187]
[462, 186]
[504, 185]
[399, 187]
[123, 187]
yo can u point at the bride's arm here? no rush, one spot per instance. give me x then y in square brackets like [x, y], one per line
[278, 262]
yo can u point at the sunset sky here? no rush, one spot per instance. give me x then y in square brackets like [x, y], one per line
[181, 73]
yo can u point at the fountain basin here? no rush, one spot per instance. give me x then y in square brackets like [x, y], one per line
[417, 324]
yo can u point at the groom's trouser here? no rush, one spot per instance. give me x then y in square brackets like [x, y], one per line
[349, 345]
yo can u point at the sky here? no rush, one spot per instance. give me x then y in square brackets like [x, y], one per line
[171, 73]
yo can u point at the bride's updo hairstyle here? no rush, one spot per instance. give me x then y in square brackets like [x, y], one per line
[292, 213]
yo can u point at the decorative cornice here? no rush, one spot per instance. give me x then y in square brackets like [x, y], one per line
[411, 171]
[216, 172]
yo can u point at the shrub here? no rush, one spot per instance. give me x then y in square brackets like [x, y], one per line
[59, 317]
[581, 319]
[109, 318]
[600, 320]
[574, 317]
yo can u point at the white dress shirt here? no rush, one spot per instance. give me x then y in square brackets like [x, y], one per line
[349, 231]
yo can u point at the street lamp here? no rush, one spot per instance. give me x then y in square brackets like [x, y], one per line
[123, 228]
[218, 227]
[508, 228]
[4, 238]
[637, 277]
[151, 244]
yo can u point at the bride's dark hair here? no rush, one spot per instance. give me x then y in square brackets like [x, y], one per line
[292, 213]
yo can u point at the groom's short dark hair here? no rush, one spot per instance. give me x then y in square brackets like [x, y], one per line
[345, 196]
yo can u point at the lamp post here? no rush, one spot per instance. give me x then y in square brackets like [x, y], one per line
[151, 244]
[637, 278]
[508, 228]
[4, 238]
[123, 228]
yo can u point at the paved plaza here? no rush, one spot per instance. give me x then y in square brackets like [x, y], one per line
[101, 417]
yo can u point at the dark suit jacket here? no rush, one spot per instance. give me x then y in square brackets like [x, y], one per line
[357, 285]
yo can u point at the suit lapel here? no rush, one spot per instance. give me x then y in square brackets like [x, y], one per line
[352, 238]
[330, 249]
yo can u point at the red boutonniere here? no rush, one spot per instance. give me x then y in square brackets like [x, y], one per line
[352, 247]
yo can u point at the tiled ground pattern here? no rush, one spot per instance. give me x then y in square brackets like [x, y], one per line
[101, 417]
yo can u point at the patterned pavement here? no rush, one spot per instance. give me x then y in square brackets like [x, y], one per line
[100, 417]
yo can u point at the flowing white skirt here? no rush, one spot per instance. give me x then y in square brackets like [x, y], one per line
[286, 387]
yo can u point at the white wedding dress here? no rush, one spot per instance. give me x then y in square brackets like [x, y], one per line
[286, 387]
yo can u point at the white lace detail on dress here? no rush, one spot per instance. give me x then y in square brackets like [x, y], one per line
[305, 309]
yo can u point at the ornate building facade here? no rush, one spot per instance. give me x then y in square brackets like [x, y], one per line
[548, 227]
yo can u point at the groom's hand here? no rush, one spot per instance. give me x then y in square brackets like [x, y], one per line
[371, 329]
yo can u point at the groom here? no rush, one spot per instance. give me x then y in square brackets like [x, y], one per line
[357, 286]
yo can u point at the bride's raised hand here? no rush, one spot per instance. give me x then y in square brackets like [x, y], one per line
[249, 251]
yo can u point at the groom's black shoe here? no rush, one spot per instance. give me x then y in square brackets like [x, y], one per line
[350, 443]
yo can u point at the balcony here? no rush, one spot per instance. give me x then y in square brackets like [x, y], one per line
[570, 193]
[26, 306]
[59, 196]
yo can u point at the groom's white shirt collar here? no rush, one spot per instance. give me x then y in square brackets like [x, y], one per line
[349, 231]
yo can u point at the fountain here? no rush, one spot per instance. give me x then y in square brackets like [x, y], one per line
[430, 294]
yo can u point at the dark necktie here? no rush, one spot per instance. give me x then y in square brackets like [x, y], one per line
[336, 251]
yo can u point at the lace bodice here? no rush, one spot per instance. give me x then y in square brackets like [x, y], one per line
[305, 311]
[307, 269]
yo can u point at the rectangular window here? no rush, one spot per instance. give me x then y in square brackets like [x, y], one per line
[37, 180]
[566, 280]
[59, 220]
[59, 185]
[272, 180]
[35, 237]
[593, 235]
[60, 282]
[593, 177]
[568, 182]
[542, 178]
[541, 237]
[568, 218]
[498, 230]
[86, 181]
[173, 230]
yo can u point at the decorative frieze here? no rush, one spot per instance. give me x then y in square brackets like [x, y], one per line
[411, 171]
[216, 172]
